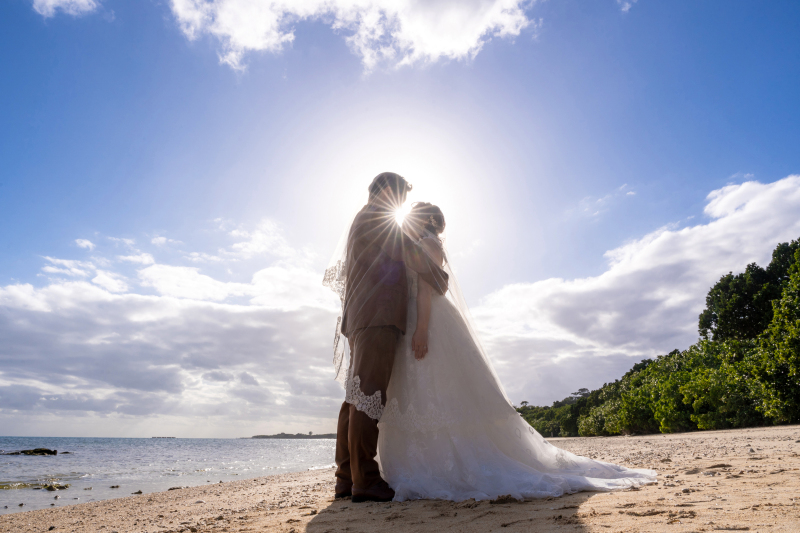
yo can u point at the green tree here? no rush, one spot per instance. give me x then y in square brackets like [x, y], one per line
[740, 306]
[722, 394]
[779, 350]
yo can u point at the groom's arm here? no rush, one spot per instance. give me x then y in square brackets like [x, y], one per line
[381, 228]
[415, 258]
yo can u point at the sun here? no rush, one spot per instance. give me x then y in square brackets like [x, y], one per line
[401, 212]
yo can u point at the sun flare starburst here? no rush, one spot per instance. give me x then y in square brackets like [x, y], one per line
[401, 212]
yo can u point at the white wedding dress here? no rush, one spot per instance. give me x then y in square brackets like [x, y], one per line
[449, 432]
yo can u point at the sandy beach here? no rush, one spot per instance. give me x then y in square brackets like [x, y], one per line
[737, 480]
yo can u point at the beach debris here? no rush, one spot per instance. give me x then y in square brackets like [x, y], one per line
[507, 498]
[56, 497]
[200, 501]
[114, 486]
[21, 504]
[177, 488]
[649, 512]
[35, 451]
[87, 488]
[51, 528]
[137, 492]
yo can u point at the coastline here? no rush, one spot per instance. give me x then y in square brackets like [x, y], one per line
[708, 481]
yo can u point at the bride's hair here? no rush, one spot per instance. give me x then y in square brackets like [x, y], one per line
[428, 216]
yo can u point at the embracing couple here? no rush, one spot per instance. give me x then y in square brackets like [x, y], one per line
[425, 415]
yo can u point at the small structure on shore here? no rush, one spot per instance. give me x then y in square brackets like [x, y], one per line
[296, 436]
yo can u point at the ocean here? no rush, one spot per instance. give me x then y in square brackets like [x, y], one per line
[94, 465]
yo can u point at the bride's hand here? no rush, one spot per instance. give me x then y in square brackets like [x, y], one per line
[419, 343]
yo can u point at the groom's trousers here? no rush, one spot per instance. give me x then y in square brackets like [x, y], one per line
[372, 352]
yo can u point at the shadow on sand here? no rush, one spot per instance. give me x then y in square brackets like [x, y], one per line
[566, 513]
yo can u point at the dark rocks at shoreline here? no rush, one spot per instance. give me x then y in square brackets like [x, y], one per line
[55, 486]
[295, 436]
[35, 451]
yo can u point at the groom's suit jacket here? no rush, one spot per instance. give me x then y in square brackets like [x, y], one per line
[378, 252]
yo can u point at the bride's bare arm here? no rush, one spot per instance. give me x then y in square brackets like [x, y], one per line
[419, 341]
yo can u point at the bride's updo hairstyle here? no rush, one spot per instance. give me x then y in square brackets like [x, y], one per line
[427, 215]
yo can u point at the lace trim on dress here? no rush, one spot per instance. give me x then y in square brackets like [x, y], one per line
[411, 421]
[369, 405]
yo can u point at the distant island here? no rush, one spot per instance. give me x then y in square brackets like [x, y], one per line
[296, 436]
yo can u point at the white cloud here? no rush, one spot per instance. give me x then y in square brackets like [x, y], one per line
[121, 240]
[568, 334]
[626, 5]
[266, 238]
[143, 258]
[68, 267]
[161, 241]
[199, 348]
[48, 8]
[187, 282]
[110, 281]
[247, 379]
[83, 243]
[379, 31]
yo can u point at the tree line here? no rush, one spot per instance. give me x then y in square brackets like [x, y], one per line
[743, 371]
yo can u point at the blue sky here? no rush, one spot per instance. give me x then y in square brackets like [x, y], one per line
[599, 164]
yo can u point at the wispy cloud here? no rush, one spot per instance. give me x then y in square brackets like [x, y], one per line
[48, 8]
[591, 206]
[161, 241]
[68, 267]
[83, 243]
[626, 5]
[142, 259]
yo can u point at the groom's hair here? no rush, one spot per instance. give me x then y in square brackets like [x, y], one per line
[395, 182]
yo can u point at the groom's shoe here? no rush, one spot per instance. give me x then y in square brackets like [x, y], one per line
[342, 490]
[381, 492]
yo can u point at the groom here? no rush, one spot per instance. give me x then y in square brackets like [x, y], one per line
[375, 303]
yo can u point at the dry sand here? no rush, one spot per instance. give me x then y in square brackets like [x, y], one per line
[738, 480]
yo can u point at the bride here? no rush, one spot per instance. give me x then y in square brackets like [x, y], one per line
[448, 431]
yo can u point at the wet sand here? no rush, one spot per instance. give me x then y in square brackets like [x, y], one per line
[737, 480]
